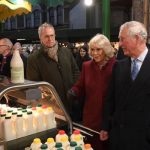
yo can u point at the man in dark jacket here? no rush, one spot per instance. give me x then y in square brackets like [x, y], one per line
[53, 64]
[126, 119]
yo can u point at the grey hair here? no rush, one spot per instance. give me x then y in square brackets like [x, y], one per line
[135, 28]
[43, 26]
[8, 42]
[103, 43]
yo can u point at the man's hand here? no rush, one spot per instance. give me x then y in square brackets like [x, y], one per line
[103, 135]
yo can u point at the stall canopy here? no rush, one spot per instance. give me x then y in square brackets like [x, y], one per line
[9, 8]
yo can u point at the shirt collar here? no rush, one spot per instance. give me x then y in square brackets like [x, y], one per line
[142, 55]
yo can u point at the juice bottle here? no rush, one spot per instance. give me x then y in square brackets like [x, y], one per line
[36, 144]
[76, 133]
[50, 143]
[61, 134]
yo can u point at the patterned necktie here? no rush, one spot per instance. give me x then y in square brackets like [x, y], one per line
[135, 69]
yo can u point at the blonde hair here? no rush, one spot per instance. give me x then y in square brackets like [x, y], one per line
[103, 43]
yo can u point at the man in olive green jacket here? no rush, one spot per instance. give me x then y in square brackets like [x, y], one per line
[53, 64]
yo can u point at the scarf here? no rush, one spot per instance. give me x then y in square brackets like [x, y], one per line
[52, 52]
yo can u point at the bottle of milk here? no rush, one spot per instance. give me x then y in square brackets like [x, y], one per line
[21, 131]
[61, 134]
[17, 68]
[50, 143]
[31, 129]
[2, 118]
[76, 133]
[9, 131]
[79, 141]
[36, 144]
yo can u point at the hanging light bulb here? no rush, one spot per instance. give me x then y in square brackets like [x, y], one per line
[88, 2]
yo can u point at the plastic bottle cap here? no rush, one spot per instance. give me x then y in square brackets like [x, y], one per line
[61, 132]
[9, 111]
[3, 115]
[19, 115]
[8, 117]
[14, 113]
[33, 108]
[76, 132]
[64, 139]
[24, 110]
[78, 148]
[49, 108]
[36, 141]
[39, 105]
[77, 138]
[44, 146]
[44, 106]
[87, 146]
[29, 112]
[58, 145]
[50, 140]
[73, 144]
[40, 111]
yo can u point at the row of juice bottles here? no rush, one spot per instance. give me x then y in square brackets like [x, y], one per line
[62, 142]
[18, 122]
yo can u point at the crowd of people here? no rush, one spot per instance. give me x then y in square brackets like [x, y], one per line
[111, 89]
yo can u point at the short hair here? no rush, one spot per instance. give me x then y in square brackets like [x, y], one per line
[7, 42]
[135, 28]
[103, 43]
[43, 26]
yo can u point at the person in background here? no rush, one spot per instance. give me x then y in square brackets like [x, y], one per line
[53, 64]
[93, 83]
[6, 47]
[5, 56]
[18, 46]
[126, 119]
[82, 56]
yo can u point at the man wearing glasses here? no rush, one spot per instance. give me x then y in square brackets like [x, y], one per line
[53, 64]
[5, 56]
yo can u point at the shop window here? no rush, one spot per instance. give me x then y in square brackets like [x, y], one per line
[13, 23]
[51, 15]
[60, 15]
[28, 21]
[20, 21]
[36, 18]
[6, 25]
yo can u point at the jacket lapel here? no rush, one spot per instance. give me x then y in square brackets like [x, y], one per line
[141, 79]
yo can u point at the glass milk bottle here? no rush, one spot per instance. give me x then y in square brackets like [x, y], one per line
[17, 68]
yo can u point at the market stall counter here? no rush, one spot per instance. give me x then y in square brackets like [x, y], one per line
[24, 101]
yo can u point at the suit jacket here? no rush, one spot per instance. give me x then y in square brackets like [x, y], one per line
[127, 108]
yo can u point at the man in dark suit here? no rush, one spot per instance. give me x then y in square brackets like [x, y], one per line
[126, 119]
